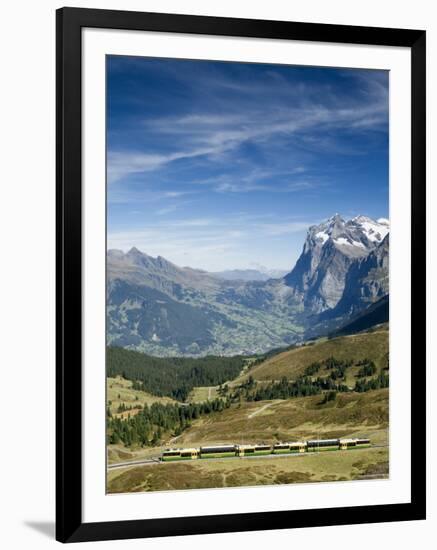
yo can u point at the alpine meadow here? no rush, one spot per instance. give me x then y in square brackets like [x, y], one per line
[247, 301]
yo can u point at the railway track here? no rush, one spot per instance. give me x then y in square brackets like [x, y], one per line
[144, 462]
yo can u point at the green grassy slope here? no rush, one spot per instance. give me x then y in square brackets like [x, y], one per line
[350, 415]
[292, 363]
[120, 392]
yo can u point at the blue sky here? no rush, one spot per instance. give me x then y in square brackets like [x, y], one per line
[220, 165]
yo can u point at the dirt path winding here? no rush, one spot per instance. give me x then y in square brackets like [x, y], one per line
[251, 415]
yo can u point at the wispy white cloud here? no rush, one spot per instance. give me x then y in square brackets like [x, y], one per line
[124, 163]
[211, 243]
[248, 187]
[176, 194]
[209, 135]
[166, 210]
[216, 142]
[284, 228]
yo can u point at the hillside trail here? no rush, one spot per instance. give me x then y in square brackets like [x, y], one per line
[263, 408]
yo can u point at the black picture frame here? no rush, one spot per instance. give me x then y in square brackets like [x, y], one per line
[69, 525]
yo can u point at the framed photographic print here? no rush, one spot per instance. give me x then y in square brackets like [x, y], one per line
[240, 274]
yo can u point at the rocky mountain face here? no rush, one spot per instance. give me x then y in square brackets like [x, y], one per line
[158, 273]
[162, 309]
[366, 281]
[333, 257]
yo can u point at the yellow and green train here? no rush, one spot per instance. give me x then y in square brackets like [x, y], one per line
[257, 449]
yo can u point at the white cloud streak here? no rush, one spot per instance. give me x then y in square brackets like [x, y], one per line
[209, 243]
[211, 135]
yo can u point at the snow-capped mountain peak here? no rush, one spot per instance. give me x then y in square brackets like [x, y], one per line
[375, 231]
[330, 249]
[360, 232]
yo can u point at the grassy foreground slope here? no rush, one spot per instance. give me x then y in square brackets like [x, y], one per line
[330, 466]
[349, 414]
[292, 363]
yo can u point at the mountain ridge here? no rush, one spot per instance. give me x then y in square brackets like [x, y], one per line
[160, 308]
[318, 279]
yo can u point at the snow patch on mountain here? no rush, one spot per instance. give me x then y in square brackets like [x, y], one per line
[375, 231]
[343, 241]
[322, 235]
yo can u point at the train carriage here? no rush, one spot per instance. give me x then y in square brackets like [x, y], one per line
[346, 444]
[217, 451]
[253, 450]
[171, 454]
[353, 443]
[262, 449]
[247, 450]
[316, 445]
[298, 447]
[279, 448]
[179, 454]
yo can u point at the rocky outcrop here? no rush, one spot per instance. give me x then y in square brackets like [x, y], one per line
[331, 250]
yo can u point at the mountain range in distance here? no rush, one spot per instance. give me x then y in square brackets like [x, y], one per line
[261, 274]
[162, 309]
